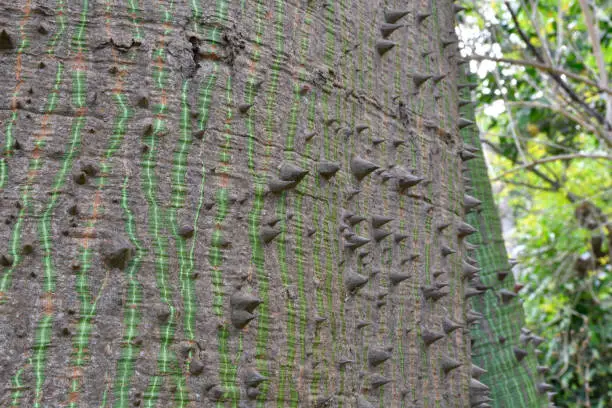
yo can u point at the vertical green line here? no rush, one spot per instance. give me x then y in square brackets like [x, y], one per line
[85, 326]
[131, 314]
[18, 387]
[42, 337]
[320, 306]
[206, 99]
[329, 217]
[340, 147]
[129, 349]
[9, 139]
[133, 8]
[43, 331]
[35, 164]
[177, 201]
[258, 254]
[298, 261]
[227, 369]
[81, 339]
[299, 224]
[166, 359]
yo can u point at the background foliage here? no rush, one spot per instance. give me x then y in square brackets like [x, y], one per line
[546, 117]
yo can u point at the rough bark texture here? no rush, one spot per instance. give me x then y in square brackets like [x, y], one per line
[161, 245]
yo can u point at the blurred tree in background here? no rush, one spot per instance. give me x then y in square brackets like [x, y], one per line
[546, 117]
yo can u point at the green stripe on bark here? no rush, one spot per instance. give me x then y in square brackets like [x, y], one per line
[9, 141]
[166, 359]
[42, 334]
[512, 382]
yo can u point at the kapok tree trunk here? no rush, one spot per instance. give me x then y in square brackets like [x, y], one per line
[239, 203]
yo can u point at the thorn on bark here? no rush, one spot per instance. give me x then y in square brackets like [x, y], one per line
[387, 29]
[186, 231]
[382, 46]
[291, 172]
[361, 167]
[429, 337]
[377, 356]
[328, 169]
[393, 16]
[422, 17]
[354, 281]
[377, 381]
[448, 364]
[6, 260]
[420, 79]
[520, 354]
[267, 234]
[397, 277]
[6, 42]
[244, 107]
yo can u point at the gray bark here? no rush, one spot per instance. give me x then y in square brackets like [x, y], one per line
[146, 261]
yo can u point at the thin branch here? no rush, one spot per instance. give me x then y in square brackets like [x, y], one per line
[531, 186]
[553, 96]
[554, 184]
[513, 126]
[535, 20]
[514, 132]
[579, 58]
[493, 146]
[536, 141]
[555, 76]
[551, 91]
[593, 31]
[544, 68]
[564, 157]
[556, 98]
[594, 36]
[559, 33]
[559, 110]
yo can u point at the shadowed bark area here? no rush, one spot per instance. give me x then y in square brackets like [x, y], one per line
[500, 344]
[232, 203]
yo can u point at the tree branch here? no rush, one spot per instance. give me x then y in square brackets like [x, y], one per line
[538, 141]
[554, 184]
[565, 157]
[555, 76]
[560, 36]
[601, 65]
[558, 109]
[544, 68]
[518, 183]
[513, 126]
[535, 20]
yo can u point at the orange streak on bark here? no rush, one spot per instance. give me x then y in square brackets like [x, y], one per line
[48, 303]
[18, 64]
[73, 397]
[26, 16]
[224, 182]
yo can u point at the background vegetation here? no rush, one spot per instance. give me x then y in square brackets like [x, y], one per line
[546, 119]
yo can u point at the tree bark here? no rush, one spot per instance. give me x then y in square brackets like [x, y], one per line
[500, 342]
[182, 186]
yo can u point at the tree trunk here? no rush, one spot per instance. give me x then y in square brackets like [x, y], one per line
[183, 186]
